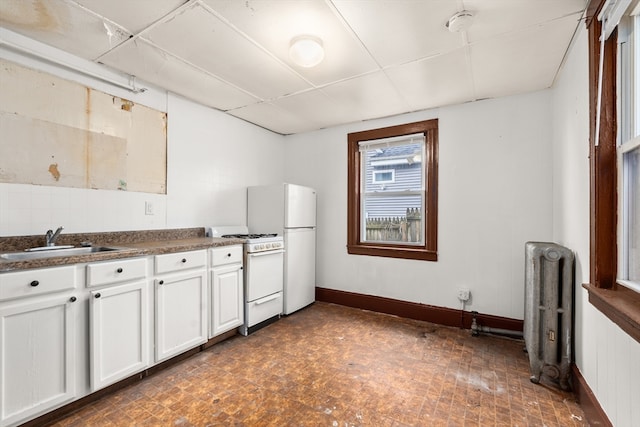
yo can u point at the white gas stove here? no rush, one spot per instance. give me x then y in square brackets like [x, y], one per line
[263, 275]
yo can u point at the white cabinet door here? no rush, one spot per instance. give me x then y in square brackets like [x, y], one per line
[37, 355]
[119, 322]
[181, 312]
[227, 299]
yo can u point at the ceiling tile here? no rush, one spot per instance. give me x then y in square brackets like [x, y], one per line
[316, 107]
[397, 33]
[274, 118]
[132, 15]
[440, 80]
[204, 40]
[499, 17]
[367, 97]
[151, 64]
[274, 24]
[63, 25]
[523, 62]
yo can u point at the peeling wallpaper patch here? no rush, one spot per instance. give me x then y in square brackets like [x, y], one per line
[98, 141]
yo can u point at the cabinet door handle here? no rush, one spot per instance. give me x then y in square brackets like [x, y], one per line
[161, 282]
[73, 299]
[229, 255]
[184, 260]
[119, 270]
[34, 283]
[98, 295]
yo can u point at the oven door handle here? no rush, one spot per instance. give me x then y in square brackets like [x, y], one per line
[265, 253]
[267, 299]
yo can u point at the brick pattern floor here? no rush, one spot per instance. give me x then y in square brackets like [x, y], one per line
[334, 366]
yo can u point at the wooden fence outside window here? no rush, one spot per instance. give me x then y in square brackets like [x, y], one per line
[395, 229]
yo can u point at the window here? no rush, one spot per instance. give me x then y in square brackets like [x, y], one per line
[628, 153]
[614, 165]
[384, 176]
[392, 179]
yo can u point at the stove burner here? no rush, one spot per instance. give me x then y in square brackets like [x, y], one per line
[248, 236]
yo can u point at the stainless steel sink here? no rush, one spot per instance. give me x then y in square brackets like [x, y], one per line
[55, 252]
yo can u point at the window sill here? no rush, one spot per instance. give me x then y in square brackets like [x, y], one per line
[393, 252]
[621, 305]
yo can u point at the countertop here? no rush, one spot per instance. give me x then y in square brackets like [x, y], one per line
[130, 243]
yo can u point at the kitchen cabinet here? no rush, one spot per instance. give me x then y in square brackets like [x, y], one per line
[38, 321]
[226, 293]
[180, 302]
[118, 320]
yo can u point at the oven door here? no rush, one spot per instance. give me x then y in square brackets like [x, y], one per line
[264, 274]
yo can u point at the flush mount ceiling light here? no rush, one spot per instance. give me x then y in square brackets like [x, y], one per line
[461, 21]
[306, 51]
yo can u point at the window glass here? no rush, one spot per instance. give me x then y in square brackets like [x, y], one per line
[631, 229]
[391, 209]
[629, 154]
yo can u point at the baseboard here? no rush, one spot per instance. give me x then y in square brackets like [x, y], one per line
[587, 400]
[412, 310]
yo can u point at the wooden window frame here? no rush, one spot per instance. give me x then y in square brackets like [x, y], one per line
[618, 303]
[428, 251]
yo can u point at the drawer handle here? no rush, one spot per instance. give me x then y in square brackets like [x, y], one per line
[73, 299]
[161, 282]
[229, 255]
[34, 283]
[267, 299]
[119, 270]
[184, 260]
[98, 295]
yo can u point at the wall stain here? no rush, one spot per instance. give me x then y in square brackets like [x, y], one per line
[53, 170]
[37, 15]
[126, 105]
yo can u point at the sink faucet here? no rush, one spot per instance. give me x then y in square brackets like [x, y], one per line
[50, 237]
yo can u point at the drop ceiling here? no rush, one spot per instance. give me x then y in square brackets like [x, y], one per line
[382, 57]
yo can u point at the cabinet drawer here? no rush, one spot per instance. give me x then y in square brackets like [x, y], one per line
[264, 308]
[36, 282]
[180, 261]
[103, 273]
[226, 255]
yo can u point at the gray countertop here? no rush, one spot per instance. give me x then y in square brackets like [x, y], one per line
[130, 243]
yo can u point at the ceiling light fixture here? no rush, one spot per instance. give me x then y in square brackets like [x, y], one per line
[461, 21]
[306, 51]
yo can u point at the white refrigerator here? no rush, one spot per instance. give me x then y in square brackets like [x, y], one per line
[289, 210]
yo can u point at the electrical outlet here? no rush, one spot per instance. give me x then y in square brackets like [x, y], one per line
[148, 208]
[464, 295]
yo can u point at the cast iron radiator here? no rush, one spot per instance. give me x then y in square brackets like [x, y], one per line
[548, 314]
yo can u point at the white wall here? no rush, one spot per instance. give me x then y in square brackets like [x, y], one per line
[494, 195]
[212, 157]
[605, 355]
